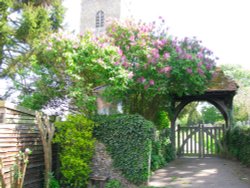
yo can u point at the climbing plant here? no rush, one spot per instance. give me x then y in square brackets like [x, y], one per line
[128, 140]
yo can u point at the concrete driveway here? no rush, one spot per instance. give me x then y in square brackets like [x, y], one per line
[202, 173]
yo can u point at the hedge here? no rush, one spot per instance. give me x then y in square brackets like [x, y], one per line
[128, 139]
[237, 141]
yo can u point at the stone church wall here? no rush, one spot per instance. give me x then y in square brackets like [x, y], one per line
[102, 166]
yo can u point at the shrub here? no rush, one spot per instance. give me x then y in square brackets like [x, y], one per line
[162, 149]
[128, 140]
[53, 183]
[237, 141]
[76, 143]
[113, 184]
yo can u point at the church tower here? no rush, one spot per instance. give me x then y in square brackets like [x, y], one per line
[95, 13]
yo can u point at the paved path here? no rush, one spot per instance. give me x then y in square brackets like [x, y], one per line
[202, 173]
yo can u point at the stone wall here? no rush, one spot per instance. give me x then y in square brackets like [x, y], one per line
[115, 9]
[102, 166]
[89, 8]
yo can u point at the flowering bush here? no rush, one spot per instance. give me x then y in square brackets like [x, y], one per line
[71, 66]
[159, 65]
[141, 63]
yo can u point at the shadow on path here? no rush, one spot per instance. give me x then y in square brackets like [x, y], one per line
[202, 173]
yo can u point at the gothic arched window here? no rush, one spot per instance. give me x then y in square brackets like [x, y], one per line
[99, 19]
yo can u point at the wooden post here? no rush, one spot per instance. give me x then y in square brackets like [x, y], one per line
[215, 140]
[173, 118]
[195, 138]
[172, 136]
[200, 141]
[191, 141]
[182, 140]
[179, 141]
[186, 139]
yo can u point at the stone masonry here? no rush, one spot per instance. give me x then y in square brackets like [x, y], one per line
[102, 166]
[115, 9]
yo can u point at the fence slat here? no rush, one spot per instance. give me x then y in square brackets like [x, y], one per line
[179, 140]
[17, 132]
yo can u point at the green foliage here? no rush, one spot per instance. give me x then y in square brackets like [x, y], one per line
[76, 142]
[161, 66]
[190, 115]
[141, 63]
[210, 114]
[128, 140]
[162, 120]
[157, 159]
[19, 168]
[240, 75]
[35, 21]
[241, 100]
[237, 141]
[35, 101]
[23, 25]
[72, 66]
[241, 110]
[113, 184]
[53, 183]
[162, 149]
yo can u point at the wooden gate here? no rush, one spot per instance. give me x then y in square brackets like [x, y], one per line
[201, 140]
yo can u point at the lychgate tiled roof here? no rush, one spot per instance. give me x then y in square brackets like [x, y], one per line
[221, 82]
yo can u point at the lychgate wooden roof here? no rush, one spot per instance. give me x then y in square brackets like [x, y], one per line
[221, 82]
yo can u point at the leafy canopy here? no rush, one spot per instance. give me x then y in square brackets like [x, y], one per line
[23, 25]
[160, 66]
[241, 100]
[143, 66]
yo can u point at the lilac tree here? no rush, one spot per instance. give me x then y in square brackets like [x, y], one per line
[159, 65]
[142, 65]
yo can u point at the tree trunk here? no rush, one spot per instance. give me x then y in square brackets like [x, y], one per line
[47, 131]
